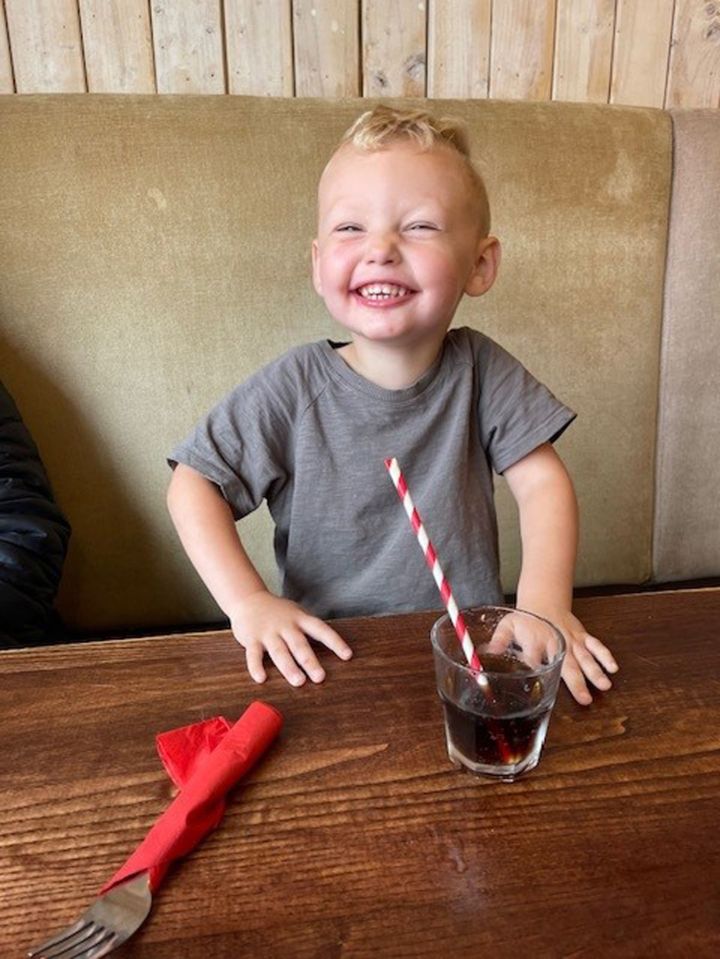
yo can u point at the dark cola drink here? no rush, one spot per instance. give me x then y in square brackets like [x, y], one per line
[498, 729]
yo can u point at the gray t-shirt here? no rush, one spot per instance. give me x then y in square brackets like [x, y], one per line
[310, 436]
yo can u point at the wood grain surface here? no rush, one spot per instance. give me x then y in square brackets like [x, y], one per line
[354, 836]
[636, 52]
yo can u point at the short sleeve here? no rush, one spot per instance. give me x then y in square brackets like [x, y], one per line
[244, 444]
[516, 412]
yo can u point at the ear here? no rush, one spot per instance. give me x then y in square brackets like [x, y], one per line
[316, 268]
[487, 264]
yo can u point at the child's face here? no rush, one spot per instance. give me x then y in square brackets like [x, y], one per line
[399, 242]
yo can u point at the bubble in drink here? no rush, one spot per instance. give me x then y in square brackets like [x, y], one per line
[500, 735]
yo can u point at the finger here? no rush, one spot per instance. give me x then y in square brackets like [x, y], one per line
[533, 655]
[533, 642]
[575, 681]
[280, 655]
[530, 638]
[319, 630]
[503, 636]
[303, 654]
[591, 668]
[601, 653]
[254, 662]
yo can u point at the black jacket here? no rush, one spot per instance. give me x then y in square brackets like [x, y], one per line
[33, 537]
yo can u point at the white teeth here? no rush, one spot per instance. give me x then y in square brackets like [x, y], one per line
[382, 291]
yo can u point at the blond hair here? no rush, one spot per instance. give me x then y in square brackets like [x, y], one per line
[378, 128]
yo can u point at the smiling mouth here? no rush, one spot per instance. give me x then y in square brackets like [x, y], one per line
[382, 291]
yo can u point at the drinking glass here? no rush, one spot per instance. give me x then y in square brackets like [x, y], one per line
[496, 718]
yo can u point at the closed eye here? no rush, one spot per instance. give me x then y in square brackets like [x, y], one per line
[348, 228]
[419, 227]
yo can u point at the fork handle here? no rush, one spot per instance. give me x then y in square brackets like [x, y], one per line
[199, 806]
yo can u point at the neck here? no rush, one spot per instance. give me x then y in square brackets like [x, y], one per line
[391, 367]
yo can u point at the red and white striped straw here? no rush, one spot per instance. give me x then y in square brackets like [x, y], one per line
[456, 617]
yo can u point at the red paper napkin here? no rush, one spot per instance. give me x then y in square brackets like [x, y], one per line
[205, 760]
[182, 750]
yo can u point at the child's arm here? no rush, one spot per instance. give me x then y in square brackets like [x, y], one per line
[549, 530]
[260, 621]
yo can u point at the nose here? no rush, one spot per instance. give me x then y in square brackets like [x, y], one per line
[382, 248]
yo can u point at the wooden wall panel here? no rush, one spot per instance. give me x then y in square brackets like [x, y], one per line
[636, 52]
[7, 83]
[394, 48]
[117, 40]
[188, 42]
[583, 50]
[459, 48]
[694, 77]
[327, 48]
[46, 46]
[643, 29]
[521, 55]
[258, 36]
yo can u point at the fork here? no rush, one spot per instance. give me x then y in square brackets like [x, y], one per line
[109, 921]
[125, 901]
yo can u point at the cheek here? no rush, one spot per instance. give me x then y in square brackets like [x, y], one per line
[334, 269]
[440, 270]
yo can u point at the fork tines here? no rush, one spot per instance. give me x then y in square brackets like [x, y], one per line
[84, 940]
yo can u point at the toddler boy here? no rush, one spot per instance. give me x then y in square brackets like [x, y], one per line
[403, 235]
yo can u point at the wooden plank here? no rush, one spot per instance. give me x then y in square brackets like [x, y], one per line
[394, 48]
[188, 45]
[327, 48]
[7, 83]
[642, 40]
[522, 49]
[583, 50]
[459, 48]
[46, 46]
[117, 40]
[694, 76]
[258, 37]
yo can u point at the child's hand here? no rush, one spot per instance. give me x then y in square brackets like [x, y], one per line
[586, 656]
[586, 659]
[266, 623]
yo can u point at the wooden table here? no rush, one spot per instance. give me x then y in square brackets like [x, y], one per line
[355, 837]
